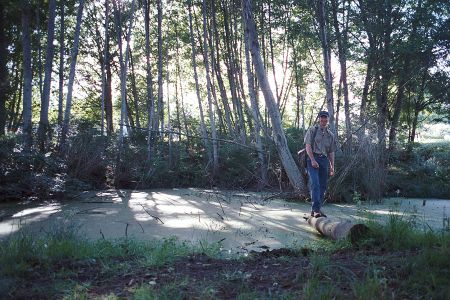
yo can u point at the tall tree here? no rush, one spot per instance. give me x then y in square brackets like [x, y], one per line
[4, 82]
[341, 39]
[286, 158]
[73, 62]
[326, 53]
[197, 87]
[160, 116]
[255, 114]
[123, 67]
[149, 81]
[61, 63]
[215, 152]
[27, 75]
[45, 97]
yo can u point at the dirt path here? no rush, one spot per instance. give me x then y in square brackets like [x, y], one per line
[239, 221]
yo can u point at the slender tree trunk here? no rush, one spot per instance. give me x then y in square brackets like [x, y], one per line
[382, 99]
[197, 88]
[272, 55]
[105, 57]
[321, 18]
[218, 72]
[341, 37]
[135, 92]
[27, 76]
[39, 48]
[286, 158]
[297, 88]
[45, 97]
[208, 88]
[14, 105]
[16, 91]
[255, 115]
[231, 75]
[398, 107]
[4, 81]
[414, 125]
[185, 122]
[365, 96]
[149, 82]
[123, 68]
[61, 64]
[160, 116]
[73, 63]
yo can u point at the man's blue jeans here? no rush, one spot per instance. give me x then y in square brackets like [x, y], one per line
[318, 180]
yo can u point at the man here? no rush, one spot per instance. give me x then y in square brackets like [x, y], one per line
[319, 160]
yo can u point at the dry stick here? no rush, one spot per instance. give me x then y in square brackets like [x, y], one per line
[103, 236]
[221, 207]
[154, 217]
[140, 226]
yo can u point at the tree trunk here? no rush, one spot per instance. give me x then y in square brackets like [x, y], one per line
[337, 230]
[160, 115]
[398, 107]
[218, 72]
[134, 91]
[4, 81]
[123, 68]
[16, 102]
[197, 88]
[365, 96]
[149, 82]
[39, 48]
[27, 75]
[45, 97]
[231, 75]
[286, 158]
[321, 18]
[382, 103]
[73, 62]
[208, 88]
[277, 94]
[255, 114]
[61, 64]
[341, 37]
[105, 57]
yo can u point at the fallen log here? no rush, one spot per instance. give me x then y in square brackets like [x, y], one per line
[338, 229]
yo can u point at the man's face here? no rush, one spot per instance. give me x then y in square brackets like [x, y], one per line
[323, 121]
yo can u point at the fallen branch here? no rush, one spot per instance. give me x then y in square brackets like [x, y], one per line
[154, 217]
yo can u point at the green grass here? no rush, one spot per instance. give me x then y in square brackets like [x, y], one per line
[422, 257]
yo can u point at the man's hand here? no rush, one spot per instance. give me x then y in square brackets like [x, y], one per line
[331, 171]
[314, 164]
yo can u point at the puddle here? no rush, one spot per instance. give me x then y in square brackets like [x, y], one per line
[239, 221]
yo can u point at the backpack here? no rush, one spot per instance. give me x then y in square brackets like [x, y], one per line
[302, 155]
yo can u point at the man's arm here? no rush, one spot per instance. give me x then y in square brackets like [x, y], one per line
[331, 159]
[310, 153]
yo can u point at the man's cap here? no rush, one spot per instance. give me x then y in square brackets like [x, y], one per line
[324, 113]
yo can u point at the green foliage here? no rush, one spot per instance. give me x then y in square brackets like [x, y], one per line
[422, 172]
[401, 233]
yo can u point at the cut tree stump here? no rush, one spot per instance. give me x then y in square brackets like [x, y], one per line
[338, 229]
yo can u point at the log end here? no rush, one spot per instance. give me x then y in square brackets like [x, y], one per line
[357, 232]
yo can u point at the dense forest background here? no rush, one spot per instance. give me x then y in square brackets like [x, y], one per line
[219, 93]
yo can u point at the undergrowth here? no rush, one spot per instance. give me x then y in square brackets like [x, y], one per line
[397, 260]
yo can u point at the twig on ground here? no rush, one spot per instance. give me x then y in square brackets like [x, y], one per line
[154, 217]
